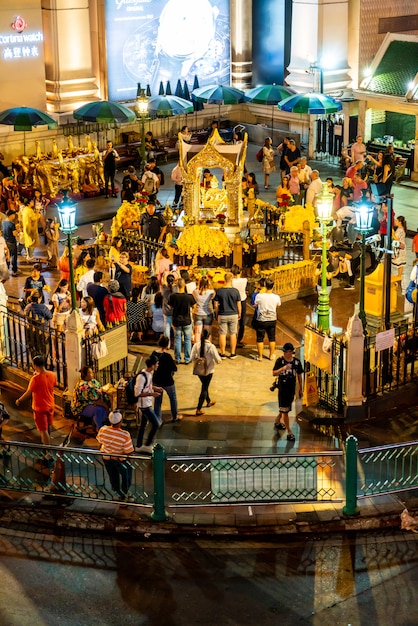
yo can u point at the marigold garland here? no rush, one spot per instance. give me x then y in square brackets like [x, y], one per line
[201, 240]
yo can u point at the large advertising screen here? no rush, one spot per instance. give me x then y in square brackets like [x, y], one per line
[149, 41]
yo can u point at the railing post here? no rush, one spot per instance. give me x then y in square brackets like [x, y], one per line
[351, 445]
[158, 465]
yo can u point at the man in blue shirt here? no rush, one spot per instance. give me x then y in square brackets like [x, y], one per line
[9, 233]
[227, 304]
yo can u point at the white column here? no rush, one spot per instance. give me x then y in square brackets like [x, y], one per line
[73, 350]
[354, 362]
[241, 43]
[319, 35]
[4, 344]
[70, 79]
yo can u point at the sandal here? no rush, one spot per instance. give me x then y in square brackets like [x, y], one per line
[198, 412]
[211, 403]
[279, 426]
[290, 437]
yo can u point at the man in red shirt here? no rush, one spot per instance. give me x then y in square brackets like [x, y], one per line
[41, 386]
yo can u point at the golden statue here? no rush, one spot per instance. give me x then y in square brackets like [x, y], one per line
[89, 146]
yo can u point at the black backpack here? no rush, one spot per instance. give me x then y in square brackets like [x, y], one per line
[130, 396]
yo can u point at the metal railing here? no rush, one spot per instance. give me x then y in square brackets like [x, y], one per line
[68, 472]
[388, 469]
[110, 373]
[389, 369]
[174, 481]
[23, 337]
[376, 471]
[309, 477]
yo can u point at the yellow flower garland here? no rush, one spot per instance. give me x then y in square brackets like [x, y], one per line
[201, 240]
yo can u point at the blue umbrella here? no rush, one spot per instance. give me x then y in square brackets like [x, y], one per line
[218, 94]
[310, 103]
[25, 118]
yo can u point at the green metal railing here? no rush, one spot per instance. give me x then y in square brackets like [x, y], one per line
[161, 481]
[68, 472]
[376, 471]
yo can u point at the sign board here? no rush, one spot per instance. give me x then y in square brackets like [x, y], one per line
[385, 340]
[262, 479]
[117, 346]
[269, 250]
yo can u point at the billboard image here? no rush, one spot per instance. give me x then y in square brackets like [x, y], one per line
[166, 40]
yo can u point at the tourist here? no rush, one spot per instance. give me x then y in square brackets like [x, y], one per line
[30, 219]
[123, 274]
[41, 386]
[203, 315]
[35, 282]
[399, 256]
[181, 303]
[266, 304]
[89, 403]
[61, 299]
[163, 377]
[240, 283]
[10, 233]
[287, 368]
[98, 292]
[145, 391]
[167, 290]
[52, 237]
[90, 316]
[86, 278]
[206, 351]
[114, 444]
[114, 304]
[228, 311]
[157, 324]
[268, 161]
[177, 178]
[109, 157]
[136, 313]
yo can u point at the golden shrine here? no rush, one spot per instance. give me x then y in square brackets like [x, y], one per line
[200, 203]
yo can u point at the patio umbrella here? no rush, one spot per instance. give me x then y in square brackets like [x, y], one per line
[310, 103]
[161, 89]
[104, 112]
[179, 90]
[25, 118]
[218, 94]
[268, 95]
[164, 106]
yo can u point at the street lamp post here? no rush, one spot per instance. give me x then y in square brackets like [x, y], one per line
[324, 204]
[66, 213]
[141, 110]
[364, 215]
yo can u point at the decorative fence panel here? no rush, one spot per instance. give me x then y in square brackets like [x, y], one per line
[388, 469]
[24, 337]
[392, 368]
[330, 377]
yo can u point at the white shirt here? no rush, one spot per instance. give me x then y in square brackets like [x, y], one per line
[314, 188]
[144, 383]
[211, 355]
[84, 281]
[304, 174]
[267, 304]
[241, 285]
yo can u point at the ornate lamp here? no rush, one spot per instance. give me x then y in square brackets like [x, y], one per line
[324, 204]
[364, 215]
[67, 214]
[141, 110]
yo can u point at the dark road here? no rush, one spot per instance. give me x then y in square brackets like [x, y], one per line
[336, 580]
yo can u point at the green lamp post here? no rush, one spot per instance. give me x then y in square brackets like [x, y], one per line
[141, 110]
[364, 215]
[324, 204]
[67, 213]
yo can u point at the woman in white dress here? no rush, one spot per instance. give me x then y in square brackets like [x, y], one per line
[268, 161]
[399, 256]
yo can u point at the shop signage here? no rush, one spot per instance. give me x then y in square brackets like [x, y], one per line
[20, 43]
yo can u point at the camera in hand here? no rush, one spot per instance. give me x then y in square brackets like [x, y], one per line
[274, 386]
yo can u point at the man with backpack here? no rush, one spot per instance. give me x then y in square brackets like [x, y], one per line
[151, 182]
[145, 391]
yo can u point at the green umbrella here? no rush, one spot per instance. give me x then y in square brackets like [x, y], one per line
[218, 94]
[105, 112]
[25, 118]
[310, 103]
[164, 106]
[268, 95]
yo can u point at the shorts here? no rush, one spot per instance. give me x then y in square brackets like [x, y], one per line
[203, 320]
[228, 324]
[266, 327]
[43, 419]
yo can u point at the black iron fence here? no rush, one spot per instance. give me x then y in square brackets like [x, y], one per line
[331, 385]
[384, 370]
[23, 337]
